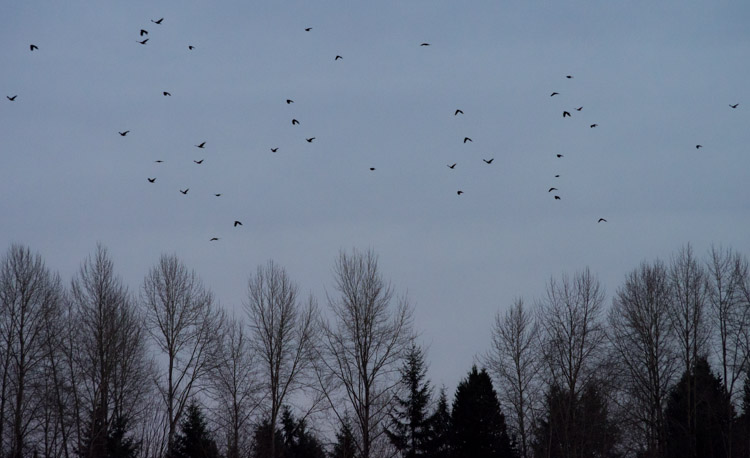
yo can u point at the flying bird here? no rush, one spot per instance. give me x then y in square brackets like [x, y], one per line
[602, 220]
[151, 180]
[698, 146]
[158, 161]
[144, 32]
[307, 29]
[735, 105]
[560, 155]
[424, 44]
[489, 161]
[593, 125]
[237, 223]
[294, 121]
[372, 169]
[201, 145]
[566, 113]
[185, 191]
[218, 195]
[288, 101]
[569, 76]
[213, 239]
[459, 192]
[157, 22]
[33, 47]
[467, 139]
[122, 134]
[579, 108]
[554, 93]
[452, 166]
[273, 150]
[557, 197]
[557, 176]
[198, 162]
[457, 112]
[191, 47]
[166, 94]
[552, 189]
[143, 42]
[11, 98]
[337, 58]
[309, 140]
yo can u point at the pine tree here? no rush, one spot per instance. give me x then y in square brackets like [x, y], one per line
[298, 442]
[438, 435]
[346, 445]
[262, 441]
[194, 439]
[409, 421]
[479, 429]
[118, 445]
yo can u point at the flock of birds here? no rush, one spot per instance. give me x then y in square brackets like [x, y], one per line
[567, 113]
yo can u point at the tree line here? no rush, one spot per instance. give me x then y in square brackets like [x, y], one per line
[91, 368]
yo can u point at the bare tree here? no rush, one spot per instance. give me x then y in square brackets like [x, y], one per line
[185, 326]
[283, 335]
[641, 337]
[112, 364]
[30, 298]
[235, 389]
[515, 362]
[362, 349]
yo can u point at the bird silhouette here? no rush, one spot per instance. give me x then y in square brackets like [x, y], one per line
[372, 169]
[33, 47]
[11, 98]
[309, 140]
[467, 139]
[273, 150]
[191, 47]
[151, 180]
[552, 189]
[593, 125]
[452, 166]
[735, 105]
[566, 113]
[489, 161]
[218, 195]
[557, 176]
[307, 29]
[158, 161]
[560, 155]
[698, 146]
[166, 94]
[213, 239]
[294, 121]
[557, 197]
[288, 101]
[237, 223]
[157, 22]
[424, 44]
[198, 162]
[337, 58]
[122, 134]
[602, 220]
[579, 108]
[201, 145]
[457, 112]
[144, 32]
[459, 192]
[143, 42]
[185, 191]
[569, 76]
[554, 93]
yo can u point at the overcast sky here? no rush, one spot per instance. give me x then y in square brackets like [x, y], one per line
[657, 78]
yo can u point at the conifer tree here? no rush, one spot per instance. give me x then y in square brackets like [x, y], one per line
[479, 429]
[438, 434]
[409, 420]
[346, 443]
[194, 439]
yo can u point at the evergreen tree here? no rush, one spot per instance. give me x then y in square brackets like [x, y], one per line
[346, 443]
[438, 434]
[707, 436]
[194, 439]
[479, 429]
[298, 442]
[742, 425]
[118, 445]
[409, 421]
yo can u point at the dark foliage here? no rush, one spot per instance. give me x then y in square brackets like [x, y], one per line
[194, 440]
[298, 442]
[479, 429]
[439, 432]
[346, 444]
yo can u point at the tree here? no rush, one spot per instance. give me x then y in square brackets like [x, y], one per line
[515, 362]
[298, 441]
[409, 420]
[194, 440]
[111, 368]
[185, 327]
[119, 445]
[479, 429]
[362, 349]
[439, 432]
[642, 339]
[30, 299]
[283, 335]
[346, 444]
[704, 432]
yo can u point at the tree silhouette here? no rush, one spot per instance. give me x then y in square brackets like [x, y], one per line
[439, 432]
[345, 446]
[194, 439]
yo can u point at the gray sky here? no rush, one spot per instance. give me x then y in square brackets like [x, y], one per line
[657, 78]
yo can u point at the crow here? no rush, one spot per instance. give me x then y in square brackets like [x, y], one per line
[201, 145]
[372, 169]
[198, 162]
[424, 44]
[452, 166]
[143, 42]
[467, 139]
[307, 29]
[166, 94]
[554, 93]
[151, 180]
[552, 189]
[144, 32]
[11, 98]
[565, 113]
[735, 105]
[569, 76]
[213, 239]
[459, 192]
[337, 58]
[457, 112]
[122, 134]
[602, 220]
[185, 191]
[273, 150]
[557, 197]
[489, 161]
[288, 101]
[158, 161]
[294, 121]
[33, 47]
[237, 223]
[698, 146]
[560, 155]
[218, 195]
[157, 22]
[579, 108]
[191, 47]
[593, 125]
[309, 140]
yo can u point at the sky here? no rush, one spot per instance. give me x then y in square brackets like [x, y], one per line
[657, 78]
